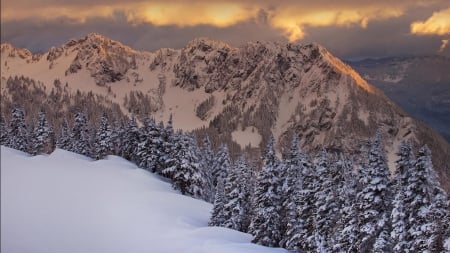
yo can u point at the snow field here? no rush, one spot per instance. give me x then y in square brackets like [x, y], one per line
[64, 202]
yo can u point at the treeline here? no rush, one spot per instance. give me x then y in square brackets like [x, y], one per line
[323, 204]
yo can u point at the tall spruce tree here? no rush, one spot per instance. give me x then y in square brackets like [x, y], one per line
[80, 138]
[266, 221]
[186, 172]
[221, 164]
[207, 165]
[428, 207]
[217, 215]
[18, 132]
[41, 135]
[237, 195]
[374, 199]
[4, 138]
[103, 144]
[130, 141]
[346, 187]
[168, 153]
[399, 214]
[149, 150]
[298, 176]
[63, 141]
[326, 205]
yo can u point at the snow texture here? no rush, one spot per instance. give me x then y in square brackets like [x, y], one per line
[64, 202]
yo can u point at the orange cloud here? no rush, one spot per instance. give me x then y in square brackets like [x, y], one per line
[437, 24]
[292, 17]
[294, 21]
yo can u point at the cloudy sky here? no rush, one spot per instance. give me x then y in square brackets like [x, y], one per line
[351, 29]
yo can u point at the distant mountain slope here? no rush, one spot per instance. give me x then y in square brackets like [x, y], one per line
[420, 85]
[260, 87]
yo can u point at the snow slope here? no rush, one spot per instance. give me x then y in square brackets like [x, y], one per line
[66, 202]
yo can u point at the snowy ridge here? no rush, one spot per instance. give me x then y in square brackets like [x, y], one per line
[80, 205]
[277, 88]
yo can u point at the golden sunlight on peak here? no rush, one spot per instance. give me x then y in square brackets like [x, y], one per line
[437, 24]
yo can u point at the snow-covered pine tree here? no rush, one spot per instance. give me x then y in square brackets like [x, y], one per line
[168, 153]
[266, 221]
[131, 139]
[290, 174]
[217, 215]
[346, 187]
[298, 168]
[221, 164]
[4, 138]
[207, 165]
[117, 136]
[80, 138]
[149, 150]
[186, 172]
[326, 205]
[64, 138]
[399, 214]
[428, 207]
[41, 136]
[237, 195]
[374, 199]
[18, 132]
[103, 144]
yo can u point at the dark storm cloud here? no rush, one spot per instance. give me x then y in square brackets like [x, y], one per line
[350, 28]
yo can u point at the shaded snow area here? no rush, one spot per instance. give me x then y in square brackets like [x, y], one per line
[66, 202]
[248, 136]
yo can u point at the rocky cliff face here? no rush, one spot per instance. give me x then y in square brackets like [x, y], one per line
[283, 89]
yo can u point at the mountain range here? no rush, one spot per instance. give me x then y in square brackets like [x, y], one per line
[240, 95]
[420, 85]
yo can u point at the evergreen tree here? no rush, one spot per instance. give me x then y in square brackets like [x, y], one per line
[64, 138]
[18, 133]
[131, 139]
[186, 172]
[290, 174]
[297, 173]
[326, 204]
[404, 167]
[373, 201]
[42, 135]
[237, 195]
[266, 221]
[207, 165]
[168, 153]
[346, 184]
[149, 150]
[217, 216]
[221, 164]
[4, 138]
[103, 144]
[80, 138]
[428, 207]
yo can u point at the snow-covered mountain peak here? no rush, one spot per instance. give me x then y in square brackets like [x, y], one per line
[269, 87]
[8, 50]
